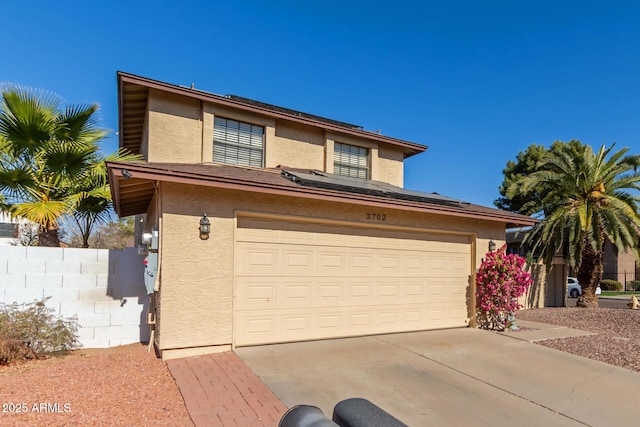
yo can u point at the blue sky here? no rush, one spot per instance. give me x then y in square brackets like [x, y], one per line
[476, 81]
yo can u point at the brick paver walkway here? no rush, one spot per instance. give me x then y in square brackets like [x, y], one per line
[221, 390]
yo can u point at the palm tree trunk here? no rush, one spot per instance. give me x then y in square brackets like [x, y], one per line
[48, 236]
[589, 275]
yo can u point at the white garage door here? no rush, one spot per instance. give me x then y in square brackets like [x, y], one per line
[297, 280]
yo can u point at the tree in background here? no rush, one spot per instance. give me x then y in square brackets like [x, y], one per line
[525, 164]
[514, 171]
[109, 235]
[585, 201]
[50, 163]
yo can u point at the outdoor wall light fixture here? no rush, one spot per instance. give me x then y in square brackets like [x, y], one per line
[125, 173]
[205, 227]
[492, 246]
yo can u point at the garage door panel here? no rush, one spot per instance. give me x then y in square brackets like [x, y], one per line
[331, 262]
[297, 293]
[261, 293]
[436, 265]
[261, 328]
[413, 317]
[298, 261]
[313, 292]
[301, 281]
[458, 313]
[360, 291]
[386, 318]
[331, 291]
[258, 259]
[414, 264]
[296, 323]
[389, 263]
[359, 319]
[436, 290]
[458, 265]
[330, 323]
[390, 290]
[458, 289]
[361, 263]
[414, 288]
[261, 325]
[255, 292]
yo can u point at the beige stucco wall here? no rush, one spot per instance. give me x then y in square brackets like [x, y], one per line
[180, 130]
[197, 275]
[620, 266]
[174, 128]
[144, 149]
[297, 146]
[536, 294]
[390, 167]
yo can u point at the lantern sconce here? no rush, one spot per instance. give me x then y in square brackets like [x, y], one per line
[205, 227]
[492, 246]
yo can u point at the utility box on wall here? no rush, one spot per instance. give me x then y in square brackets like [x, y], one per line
[151, 260]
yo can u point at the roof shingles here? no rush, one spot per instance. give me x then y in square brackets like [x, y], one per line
[273, 180]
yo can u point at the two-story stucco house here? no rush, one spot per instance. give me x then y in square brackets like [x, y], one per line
[312, 235]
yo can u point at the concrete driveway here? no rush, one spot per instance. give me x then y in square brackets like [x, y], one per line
[451, 377]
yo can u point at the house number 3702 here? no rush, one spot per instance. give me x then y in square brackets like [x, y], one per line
[372, 216]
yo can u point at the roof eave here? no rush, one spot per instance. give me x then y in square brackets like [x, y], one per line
[410, 148]
[144, 173]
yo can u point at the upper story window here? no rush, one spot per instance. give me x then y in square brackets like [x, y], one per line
[237, 143]
[350, 160]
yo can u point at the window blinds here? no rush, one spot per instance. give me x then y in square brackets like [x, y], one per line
[349, 160]
[237, 143]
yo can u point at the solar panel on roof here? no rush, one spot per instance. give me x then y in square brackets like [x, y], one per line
[366, 186]
[293, 112]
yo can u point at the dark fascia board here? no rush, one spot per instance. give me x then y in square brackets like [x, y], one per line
[411, 148]
[144, 171]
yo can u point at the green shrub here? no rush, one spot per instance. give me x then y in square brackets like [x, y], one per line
[634, 284]
[610, 285]
[31, 331]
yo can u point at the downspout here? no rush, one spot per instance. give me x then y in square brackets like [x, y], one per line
[156, 285]
[473, 321]
[201, 118]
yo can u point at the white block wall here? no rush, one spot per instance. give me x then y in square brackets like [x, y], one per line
[104, 288]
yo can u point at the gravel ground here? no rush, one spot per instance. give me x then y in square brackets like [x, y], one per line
[618, 333]
[128, 386]
[120, 386]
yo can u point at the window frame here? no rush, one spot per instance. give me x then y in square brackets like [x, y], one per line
[353, 153]
[233, 140]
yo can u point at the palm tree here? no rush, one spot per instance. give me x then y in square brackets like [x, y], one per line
[50, 164]
[586, 201]
[92, 196]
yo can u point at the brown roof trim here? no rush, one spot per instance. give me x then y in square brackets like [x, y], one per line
[149, 172]
[411, 148]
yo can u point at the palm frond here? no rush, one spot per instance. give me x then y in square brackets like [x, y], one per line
[586, 200]
[43, 213]
[27, 118]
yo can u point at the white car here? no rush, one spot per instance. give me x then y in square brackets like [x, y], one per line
[573, 287]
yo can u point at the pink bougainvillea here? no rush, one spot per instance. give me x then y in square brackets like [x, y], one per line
[500, 281]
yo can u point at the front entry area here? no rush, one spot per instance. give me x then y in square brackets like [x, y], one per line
[299, 279]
